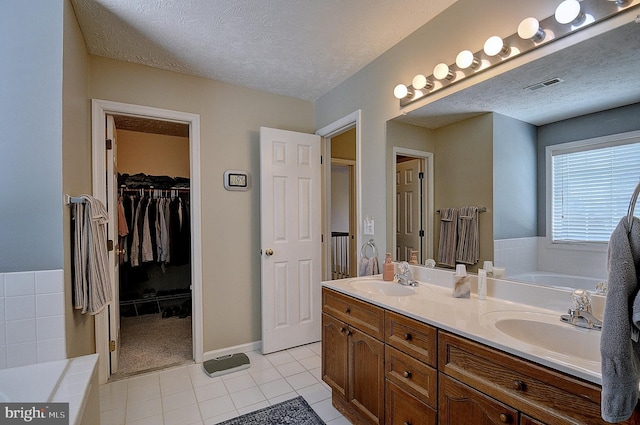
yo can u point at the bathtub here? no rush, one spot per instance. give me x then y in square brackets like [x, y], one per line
[557, 280]
[72, 381]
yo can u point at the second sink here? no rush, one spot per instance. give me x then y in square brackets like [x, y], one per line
[547, 332]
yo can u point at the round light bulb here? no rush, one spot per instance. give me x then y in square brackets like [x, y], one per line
[400, 91]
[441, 72]
[568, 11]
[419, 82]
[494, 46]
[465, 59]
[529, 29]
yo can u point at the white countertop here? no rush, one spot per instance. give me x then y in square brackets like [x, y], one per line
[472, 318]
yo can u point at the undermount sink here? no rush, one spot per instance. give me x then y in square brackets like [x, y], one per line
[381, 287]
[546, 331]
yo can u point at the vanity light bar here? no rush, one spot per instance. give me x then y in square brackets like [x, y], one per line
[531, 34]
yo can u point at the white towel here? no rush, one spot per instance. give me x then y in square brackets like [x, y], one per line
[91, 281]
[448, 235]
[619, 345]
[468, 246]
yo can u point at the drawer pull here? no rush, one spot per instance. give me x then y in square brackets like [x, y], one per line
[407, 337]
[518, 385]
[342, 329]
[407, 423]
[349, 333]
[347, 310]
[407, 374]
[504, 418]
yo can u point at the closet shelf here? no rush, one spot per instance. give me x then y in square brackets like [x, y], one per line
[155, 299]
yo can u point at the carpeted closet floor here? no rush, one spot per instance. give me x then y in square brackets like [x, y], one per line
[150, 342]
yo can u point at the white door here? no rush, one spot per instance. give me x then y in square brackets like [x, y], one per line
[409, 212]
[112, 234]
[291, 245]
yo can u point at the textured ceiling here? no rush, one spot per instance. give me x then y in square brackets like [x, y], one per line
[301, 48]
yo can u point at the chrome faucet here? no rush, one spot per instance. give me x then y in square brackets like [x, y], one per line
[404, 275]
[581, 315]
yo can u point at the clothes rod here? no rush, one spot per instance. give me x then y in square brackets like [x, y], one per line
[480, 209]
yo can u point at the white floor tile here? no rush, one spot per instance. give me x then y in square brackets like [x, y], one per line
[325, 410]
[216, 407]
[315, 393]
[275, 388]
[213, 390]
[253, 407]
[290, 368]
[188, 396]
[143, 410]
[301, 380]
[240, 383]
[183, 415]
[178, 400]
[247, 397]
[279, 358]
[265, 375]
[221, 418]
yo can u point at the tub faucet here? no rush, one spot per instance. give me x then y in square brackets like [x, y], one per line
[404, 275]
[581, 315]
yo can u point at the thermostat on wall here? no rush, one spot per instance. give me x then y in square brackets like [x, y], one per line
[237, 180]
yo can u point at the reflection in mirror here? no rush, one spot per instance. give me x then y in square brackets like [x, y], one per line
[488, 143]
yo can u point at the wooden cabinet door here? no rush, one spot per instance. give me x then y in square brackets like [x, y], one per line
[334, 354]
[462, 405]
[365, 388]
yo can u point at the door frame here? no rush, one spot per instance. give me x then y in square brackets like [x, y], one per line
[99, 110]
[353, 227]
[339, 126]
[428, 200]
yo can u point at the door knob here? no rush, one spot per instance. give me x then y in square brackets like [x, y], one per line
[269, 252]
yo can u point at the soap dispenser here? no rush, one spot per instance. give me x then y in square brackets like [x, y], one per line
[388, 269]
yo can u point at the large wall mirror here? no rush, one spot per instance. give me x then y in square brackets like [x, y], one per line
[488, 143]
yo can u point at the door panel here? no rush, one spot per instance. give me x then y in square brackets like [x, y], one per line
[113, 308]
[409, 209]
[291, 238]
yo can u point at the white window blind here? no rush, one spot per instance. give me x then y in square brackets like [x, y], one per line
[591, 190]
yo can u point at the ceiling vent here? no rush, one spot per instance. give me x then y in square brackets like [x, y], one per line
[543, 84]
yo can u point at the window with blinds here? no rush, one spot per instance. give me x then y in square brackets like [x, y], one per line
[591, 189]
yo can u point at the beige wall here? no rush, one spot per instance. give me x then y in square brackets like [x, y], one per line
[76, 166]
[153, 154]
[464, 174]
[230, 119]
[343, 146]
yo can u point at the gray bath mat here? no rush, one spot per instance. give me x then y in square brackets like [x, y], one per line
[226, 364]
[291, 412]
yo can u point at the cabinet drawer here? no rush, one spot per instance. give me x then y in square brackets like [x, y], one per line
[542, 393]
[462, 405]
[366, 317]
[413, 376]
[417, 339]
[403, 408]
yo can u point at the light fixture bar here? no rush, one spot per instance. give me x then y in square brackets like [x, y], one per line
[529, 36]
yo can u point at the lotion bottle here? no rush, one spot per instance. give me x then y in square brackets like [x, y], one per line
[482, 284]
[388, 269]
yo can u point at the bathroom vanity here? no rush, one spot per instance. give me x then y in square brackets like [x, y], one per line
[398, 355]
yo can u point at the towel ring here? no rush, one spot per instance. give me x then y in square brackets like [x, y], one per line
[632, 205]
[371, 244]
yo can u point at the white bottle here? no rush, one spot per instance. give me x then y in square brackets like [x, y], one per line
[482, 284]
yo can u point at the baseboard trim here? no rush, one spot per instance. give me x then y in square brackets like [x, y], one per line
[242, 348]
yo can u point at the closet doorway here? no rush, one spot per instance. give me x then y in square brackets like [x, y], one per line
[154, 229]
[152, 284]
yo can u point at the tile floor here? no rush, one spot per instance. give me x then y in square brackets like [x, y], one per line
[185, 395]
